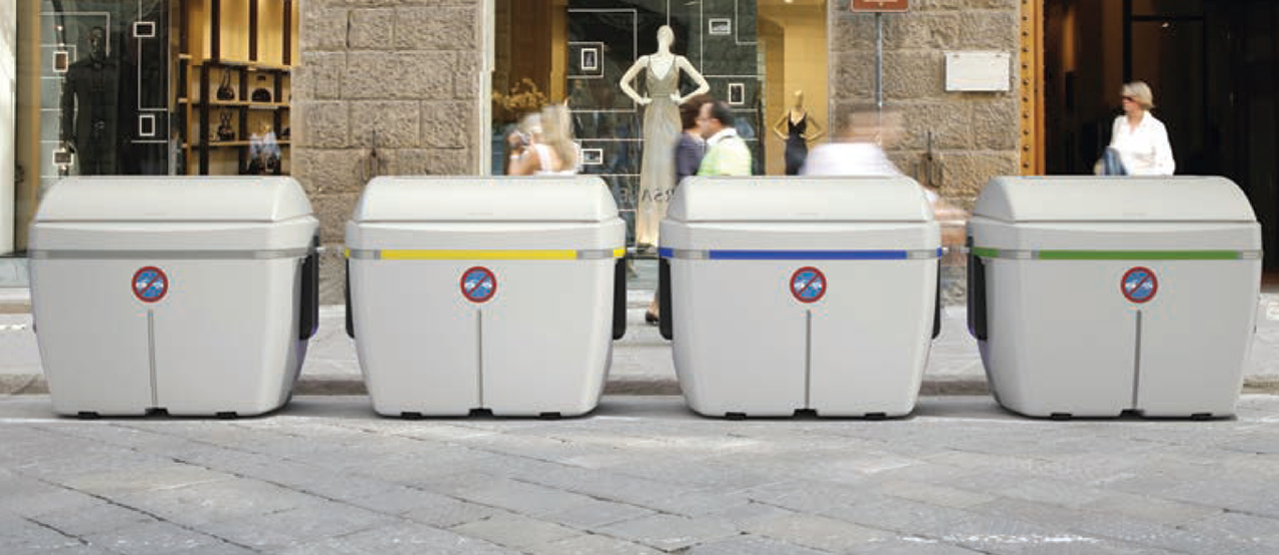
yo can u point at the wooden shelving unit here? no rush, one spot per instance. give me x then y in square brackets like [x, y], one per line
[251, 43]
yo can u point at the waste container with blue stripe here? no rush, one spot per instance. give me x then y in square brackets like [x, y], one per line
[1092, 296]
[789, 294]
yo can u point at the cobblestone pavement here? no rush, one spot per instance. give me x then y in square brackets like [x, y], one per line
[642, 475]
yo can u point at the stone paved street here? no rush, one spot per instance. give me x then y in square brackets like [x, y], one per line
[641, 475]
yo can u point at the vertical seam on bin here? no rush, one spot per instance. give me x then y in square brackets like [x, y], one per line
[808, 359]
[155, 396]
[479, 355]
[1136, 365]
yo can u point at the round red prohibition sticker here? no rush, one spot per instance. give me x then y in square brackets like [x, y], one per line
[479, 284]
[1139, 285]
[150, 284]
[808, 284]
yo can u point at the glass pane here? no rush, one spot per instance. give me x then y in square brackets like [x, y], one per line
[104, 88]
[1169, 56]
[578, 51]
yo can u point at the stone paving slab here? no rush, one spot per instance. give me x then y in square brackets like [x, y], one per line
[639, 476]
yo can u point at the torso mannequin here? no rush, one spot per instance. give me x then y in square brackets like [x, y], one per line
[661, 129]
[795, 123]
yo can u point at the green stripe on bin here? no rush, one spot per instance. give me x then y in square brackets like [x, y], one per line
[986, 252]
[1138, 255]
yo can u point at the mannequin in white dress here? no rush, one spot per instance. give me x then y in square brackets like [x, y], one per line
[661, 129]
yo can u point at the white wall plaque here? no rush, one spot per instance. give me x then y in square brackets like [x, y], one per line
[978, 71]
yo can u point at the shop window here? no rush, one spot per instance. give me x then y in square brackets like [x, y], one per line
[121, 81]
[103, 99]
[135, 87]
[753, 54]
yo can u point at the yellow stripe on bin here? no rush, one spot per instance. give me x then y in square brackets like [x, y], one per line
[619, 253]
[479, 255]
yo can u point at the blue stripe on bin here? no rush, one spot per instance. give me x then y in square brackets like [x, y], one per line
[665, 252]
[809, 255]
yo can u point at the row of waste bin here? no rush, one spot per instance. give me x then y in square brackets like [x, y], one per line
[1088, 297]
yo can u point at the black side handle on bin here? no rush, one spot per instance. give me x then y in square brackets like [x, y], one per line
[309, 319]
[666, 326]
[937, 304]
[619, 299]
[976, 294]
[350, 325]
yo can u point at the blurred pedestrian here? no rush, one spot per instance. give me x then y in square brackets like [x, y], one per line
[726, 153]
[858, 151]
[554, 152]
[858, 145]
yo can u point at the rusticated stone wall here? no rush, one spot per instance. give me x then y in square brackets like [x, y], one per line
[975, 135]
[384, 87]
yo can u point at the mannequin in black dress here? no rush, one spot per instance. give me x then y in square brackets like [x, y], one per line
[795, 123]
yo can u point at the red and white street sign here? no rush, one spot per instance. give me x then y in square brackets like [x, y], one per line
[880, 5]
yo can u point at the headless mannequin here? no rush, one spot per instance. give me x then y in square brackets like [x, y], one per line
[661, 129]
[90, 94]
[792, 127]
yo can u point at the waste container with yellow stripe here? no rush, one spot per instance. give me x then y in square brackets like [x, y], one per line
[500, 294]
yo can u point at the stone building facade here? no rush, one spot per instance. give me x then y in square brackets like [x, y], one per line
[395, 87]
[974, 134]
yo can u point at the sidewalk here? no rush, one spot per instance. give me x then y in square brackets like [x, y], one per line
[642, 363]
[641, 476]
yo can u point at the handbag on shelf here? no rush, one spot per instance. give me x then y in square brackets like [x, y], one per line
[225, 92]
[261, 93]
[225, 131]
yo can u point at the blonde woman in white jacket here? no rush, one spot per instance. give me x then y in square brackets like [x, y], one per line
[1137, 139]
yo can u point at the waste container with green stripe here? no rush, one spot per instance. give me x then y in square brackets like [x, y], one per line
[1092, 296]
[500, 294]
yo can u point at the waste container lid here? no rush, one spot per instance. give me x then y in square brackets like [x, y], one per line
[181, 199]
[792, 199]
[1113, 199]
[481, 199]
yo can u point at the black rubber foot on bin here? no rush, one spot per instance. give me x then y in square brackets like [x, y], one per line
[228, 415]
[481, 412]
[550, 416]
[1061, 416]
[411, 415]
[1201, 416]
[876, 416]
[157, 412]
[805, 413]
[86, 415]
[735, 415]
